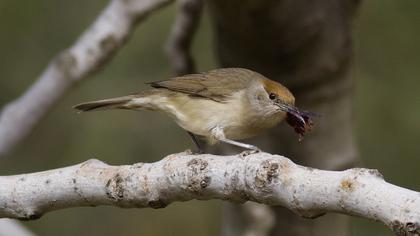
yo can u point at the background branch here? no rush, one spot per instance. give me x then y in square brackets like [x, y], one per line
[264, 178]
[92, 50]
[181, 36]
[259, 218]
[9, 227]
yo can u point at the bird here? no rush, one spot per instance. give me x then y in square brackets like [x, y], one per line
[221, 105]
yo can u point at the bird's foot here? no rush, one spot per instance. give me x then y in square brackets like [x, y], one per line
[194, 152]
[198, 152]
[249, 152]
[188, 152]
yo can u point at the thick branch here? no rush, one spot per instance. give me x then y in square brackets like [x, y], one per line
[91, 51]
[263, 178]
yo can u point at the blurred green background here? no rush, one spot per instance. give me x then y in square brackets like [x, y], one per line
[387, 108]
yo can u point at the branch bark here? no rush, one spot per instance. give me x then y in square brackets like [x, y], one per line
[263, 178]
[91, 51]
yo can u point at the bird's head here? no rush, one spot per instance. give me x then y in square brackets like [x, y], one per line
[279, 97]
[282, 101]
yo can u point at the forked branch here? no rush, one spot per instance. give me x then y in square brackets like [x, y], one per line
[90, 52]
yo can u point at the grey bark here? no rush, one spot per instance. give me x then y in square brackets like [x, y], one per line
[272, 180]
[306, 45]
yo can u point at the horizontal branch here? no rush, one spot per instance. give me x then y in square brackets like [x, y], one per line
[264, 178]
[91, 51]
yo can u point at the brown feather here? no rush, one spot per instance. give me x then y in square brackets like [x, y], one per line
[217, 85]
[282, 92]
[104, 104]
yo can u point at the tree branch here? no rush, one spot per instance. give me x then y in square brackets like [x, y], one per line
[263, 178]
[182, 34]
[92, 50]
[12, 227]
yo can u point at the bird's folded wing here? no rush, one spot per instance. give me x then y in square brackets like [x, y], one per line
[217, 85]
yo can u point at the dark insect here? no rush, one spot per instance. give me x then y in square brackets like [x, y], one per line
[301, 121]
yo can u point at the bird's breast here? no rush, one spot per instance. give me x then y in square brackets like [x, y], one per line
[252, 124]
[200, 116]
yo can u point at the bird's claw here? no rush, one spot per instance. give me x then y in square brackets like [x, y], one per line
[249, 152]
[198, 152]
[188, 152]
[193, 152]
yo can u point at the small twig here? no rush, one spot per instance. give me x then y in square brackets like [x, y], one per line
[182, 33]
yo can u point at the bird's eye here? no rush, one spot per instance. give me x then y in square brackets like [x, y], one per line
[272, 96]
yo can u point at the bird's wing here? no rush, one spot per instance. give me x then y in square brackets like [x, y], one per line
[216, 85]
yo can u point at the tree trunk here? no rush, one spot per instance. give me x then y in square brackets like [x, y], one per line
[307, 46]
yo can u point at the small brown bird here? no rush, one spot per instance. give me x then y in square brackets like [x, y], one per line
[222, 105]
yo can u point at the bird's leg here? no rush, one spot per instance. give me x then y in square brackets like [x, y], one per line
[196, 142]
[239, 144]
[219, 135]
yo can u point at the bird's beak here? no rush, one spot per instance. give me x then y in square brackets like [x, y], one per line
[301, 121]
[290, 109]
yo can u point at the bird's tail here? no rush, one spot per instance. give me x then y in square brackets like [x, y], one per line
[105, 104]
[151, 100]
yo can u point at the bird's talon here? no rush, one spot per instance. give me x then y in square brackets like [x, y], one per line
[197, 152]
[249, 152]
[193, 152]
[188, 152]
[254, 151]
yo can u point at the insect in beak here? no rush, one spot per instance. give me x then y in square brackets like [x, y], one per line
[291, 111]
[301, 121]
